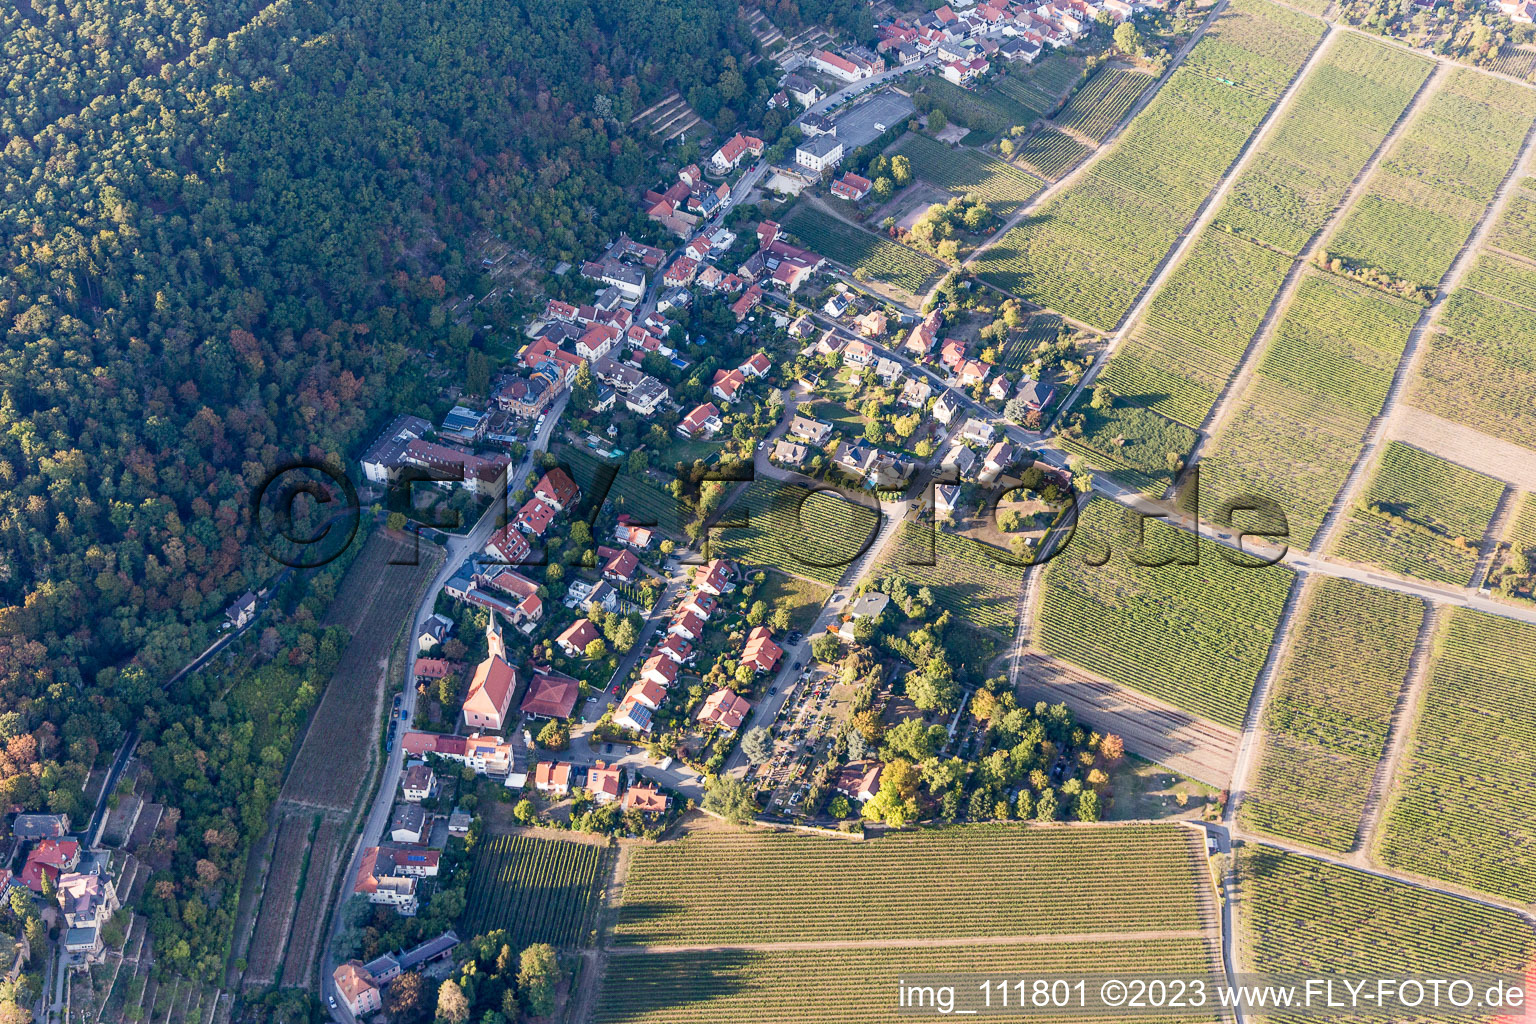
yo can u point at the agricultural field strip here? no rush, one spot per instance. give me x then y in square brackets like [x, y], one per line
[852, 986]
[968, 578]
[928, 942]
[1408, 366]
[1064, 183]
[1326, 719]
[861, 250]
[1201, 219]
[1177, 632]
[1304, 914]
[1109, 292]
[1471, 747]
[541, 890]
[1174, 346]
[1443, 517]
[1237, 385]
[929, 885]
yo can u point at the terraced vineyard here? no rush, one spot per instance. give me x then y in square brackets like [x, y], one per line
[1307, 918]
[1095, 109]
[1342, 112]
[1197, 328]
[967, 172]
[1326, 719]
[1089, 251]
[964, 578]
[815, 534]
[864, 252]
[1194, 636]
[1294, 435]
[1052, 152]
[1464, 809]
[1421, 516]
[788, 886]
[540, 890]
[1434, 185]
[1480, 364]
[856, 985]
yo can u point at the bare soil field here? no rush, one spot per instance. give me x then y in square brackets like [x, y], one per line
[1191, 746]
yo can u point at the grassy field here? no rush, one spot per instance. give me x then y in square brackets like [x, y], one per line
[1089, 251]
[963, 577]
[1343, 110]
[1308, 918]
[814, 534]
[540, 890]
[863, 252]
[966, 172]
[1421, 516]
[1325, 723]
[803, 598]
[857, 985]
[1480, 367]
[1435, 183]
[1194, 636]
[1051, 152]
[725, 888]
[1133, 444]
[1464, 809]
[1296, 432]
[1197, 328]
[993, 111]
[1095, 109]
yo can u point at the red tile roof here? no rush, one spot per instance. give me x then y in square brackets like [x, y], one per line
[551, 695]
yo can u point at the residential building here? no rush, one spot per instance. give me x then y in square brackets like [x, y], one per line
[383, 458]
[357, 989]
[619, 565]
[631, 714]
[378, 882]
[557, 490]
[761, 652]
[859, 780]
[804, 91]
[603, 783]
[418, 783]
[702, 422]
[871, 604]
[728, 156]
[408, 824]
[675, 647]
[242, 611]
[978, 431]
[725, 709]
[687, 625]
[788, 453]
[645, 799]
[961, 461]
[809, 430]
[727, 384]
[852, 187]
[871, 324]
[659, 670]
[1035, 395]
[88, 901]
[552, 777]
[647, 397]
[31, 827]
[819, 153]
[947, 407]
[946, 498]
[551, 694]
[859, 353]
[574, 640]
[717, 577]
[914, 394]
[636, 536]
[50, 857]
[433, 632]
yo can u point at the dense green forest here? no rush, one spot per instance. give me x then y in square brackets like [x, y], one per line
[228, 228]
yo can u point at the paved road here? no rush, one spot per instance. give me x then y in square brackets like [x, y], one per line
[459, 548]
[855, 89]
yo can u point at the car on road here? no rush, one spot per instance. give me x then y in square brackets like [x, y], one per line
[592, 699]
[797, 664]
[772, 690]
[608, 748]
